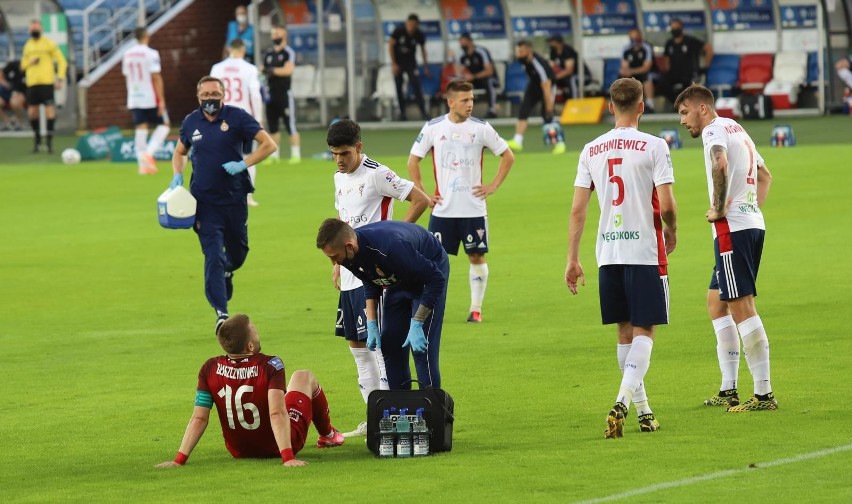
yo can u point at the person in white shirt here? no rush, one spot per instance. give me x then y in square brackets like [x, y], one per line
[738, 183]
[146, 99]
[457, 141]
[631, 173]
[242, 89]
[364, 191]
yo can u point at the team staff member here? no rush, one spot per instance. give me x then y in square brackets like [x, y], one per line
[246, 380]
[540, 89]
[683, 53]
[364, 192]
[631, 172]
[457, 142]
[409, 264]
[738, 183]
[564, 59]
[279, 61]
[637, 61]
[479, 69]
[220, 183]
[402, 47]
[37, 61]
[12, 91]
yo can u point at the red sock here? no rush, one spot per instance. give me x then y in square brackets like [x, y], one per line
[321, 420]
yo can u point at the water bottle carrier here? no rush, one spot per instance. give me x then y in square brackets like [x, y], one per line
[438, 413]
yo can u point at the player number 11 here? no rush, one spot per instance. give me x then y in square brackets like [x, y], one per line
[237, 404]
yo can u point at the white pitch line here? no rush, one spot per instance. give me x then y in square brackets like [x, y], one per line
[719, 474]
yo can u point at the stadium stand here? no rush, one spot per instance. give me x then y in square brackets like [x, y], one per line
[516, 82]
[723, 74]
[385, 93]
[612, 66]
[788, 75]
[755, 72]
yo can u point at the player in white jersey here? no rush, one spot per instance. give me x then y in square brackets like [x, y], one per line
[146, 99]
[632, 174]
[364, 191]
[242, 89]
[738, 183]
[457, 141]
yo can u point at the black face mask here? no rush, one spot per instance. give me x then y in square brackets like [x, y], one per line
[211, 106]
[35, 34]
[677, 32]
[277, 41]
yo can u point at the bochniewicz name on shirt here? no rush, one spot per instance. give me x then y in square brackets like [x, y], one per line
[236, 373]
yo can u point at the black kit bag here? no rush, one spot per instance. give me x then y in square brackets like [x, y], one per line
[756, 106]
[438, 411]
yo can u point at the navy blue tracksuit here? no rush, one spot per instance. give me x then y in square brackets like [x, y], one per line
[221, 216]
[412, 267]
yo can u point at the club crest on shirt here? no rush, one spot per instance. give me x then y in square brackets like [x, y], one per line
[618, 220]
[224, 126]
[480, 232]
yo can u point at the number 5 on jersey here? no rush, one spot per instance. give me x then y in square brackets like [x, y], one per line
[615, 179]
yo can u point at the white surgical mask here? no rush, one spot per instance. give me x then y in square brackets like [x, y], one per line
[242, 19]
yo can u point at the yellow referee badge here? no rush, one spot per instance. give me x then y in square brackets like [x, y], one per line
[224, 126]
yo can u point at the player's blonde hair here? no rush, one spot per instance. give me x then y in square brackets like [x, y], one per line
[234, 334]
[459, 85]
[625, 93]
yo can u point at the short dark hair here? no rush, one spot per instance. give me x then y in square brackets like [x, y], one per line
[696, 93]
[414, 17]
[459, 85]
[233, 334]
[140, 32]
[333, 231]
[465, 35]
[237, 43]
[209, 78]
[625, 92]
[343, 133]
[524, 43]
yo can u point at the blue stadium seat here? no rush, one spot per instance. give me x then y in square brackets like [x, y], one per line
[611, 71]
[723, 74]
[516, 81]
[431, 85]
[813, 69]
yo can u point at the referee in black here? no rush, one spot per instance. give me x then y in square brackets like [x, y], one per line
[220, 183]
[402, 47]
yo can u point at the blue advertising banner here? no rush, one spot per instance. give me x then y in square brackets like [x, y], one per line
[431, 29]
[526, 26]
[731, 15]
[483, 18]
[693, 21]
[798, 16]
[607, 17]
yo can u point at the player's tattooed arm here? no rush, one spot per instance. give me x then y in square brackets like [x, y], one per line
[421, 313]
[719, 158]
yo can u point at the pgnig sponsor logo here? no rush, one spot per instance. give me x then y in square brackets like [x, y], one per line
[619, 235]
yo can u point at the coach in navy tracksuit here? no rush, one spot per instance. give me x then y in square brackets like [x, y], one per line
[412, 267]
[219, 183]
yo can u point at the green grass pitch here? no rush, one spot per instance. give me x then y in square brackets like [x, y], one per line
[105, 325]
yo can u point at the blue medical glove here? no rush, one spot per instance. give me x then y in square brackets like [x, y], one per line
[416, 339]
[234, 167]
[374, 338]
[177, 180]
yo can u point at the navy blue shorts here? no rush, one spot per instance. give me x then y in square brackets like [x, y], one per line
[146, 116]
[352, 315]
[633, 293]
[737, 261]
[472, 231]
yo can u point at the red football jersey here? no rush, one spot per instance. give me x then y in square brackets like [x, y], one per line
[240, 390]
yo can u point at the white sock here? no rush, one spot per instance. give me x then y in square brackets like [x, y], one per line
[728, 350]
[368, 370]
[295, 152]
[383, 375]
[756, 349]
[635, 366]
[157, 138]
[478, 283]
[846, 75]
[140, 141]
[640, 397]
[649, 103]
[519, 139]
[253, 175]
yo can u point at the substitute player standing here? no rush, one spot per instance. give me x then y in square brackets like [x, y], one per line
[541, 88]
[260, 418]
[631, 172]
[242, 89]
[279, 62]
[457, 141]
[217, 133]
[146, 100]
[364, 191]
[738, 183]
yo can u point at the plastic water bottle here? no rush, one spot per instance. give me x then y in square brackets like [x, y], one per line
[386, 436]
[403, 434]
[421, 435]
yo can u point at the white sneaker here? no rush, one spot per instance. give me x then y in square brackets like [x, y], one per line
[250, 200]
[361, 430]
